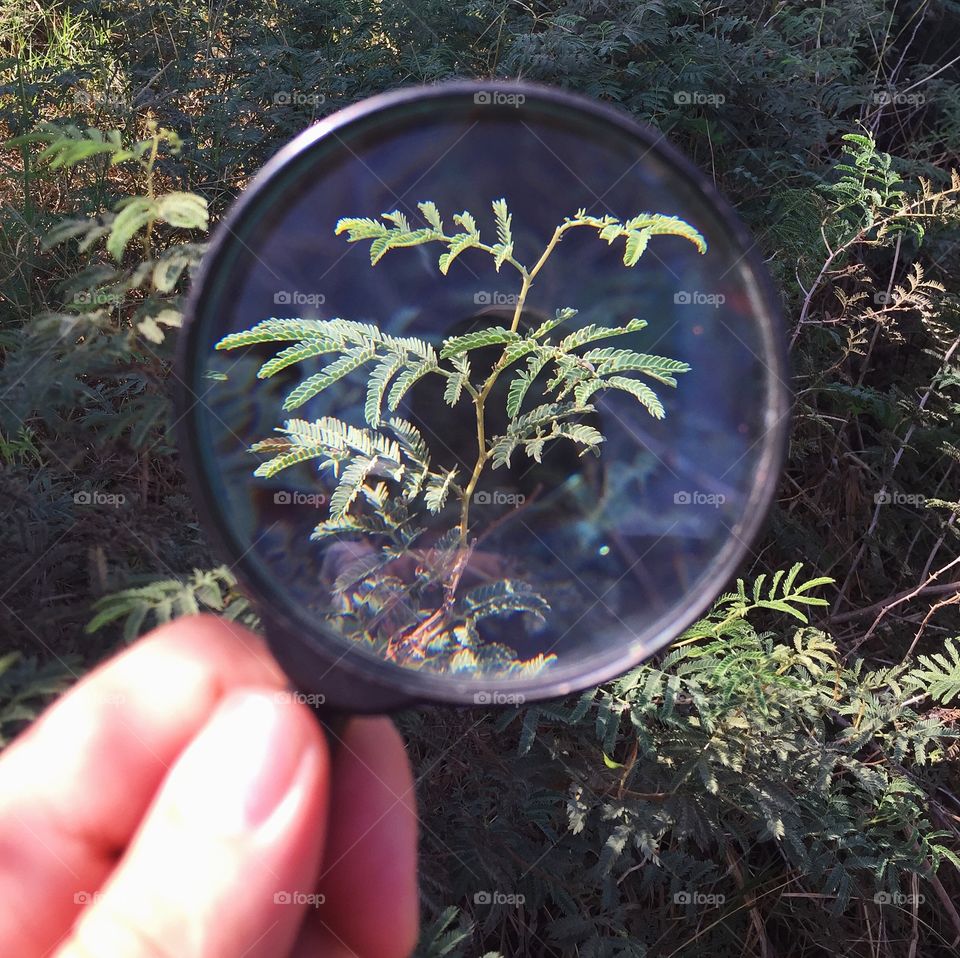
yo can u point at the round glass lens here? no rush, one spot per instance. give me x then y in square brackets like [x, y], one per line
[486, 390]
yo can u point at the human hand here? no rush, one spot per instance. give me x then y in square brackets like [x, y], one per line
[177, 803]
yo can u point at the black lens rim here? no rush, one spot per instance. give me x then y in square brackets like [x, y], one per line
[353, 680]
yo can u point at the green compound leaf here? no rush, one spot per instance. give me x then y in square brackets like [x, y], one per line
[657, 224]
[184, 210]
[349, 486]
[529, 427]
[636, 244]
[610, 360]
[407, 379]
[411, 440]
[562, 316]
[398, 219]
[467, 221]
[431, 214]
[438, 488]
[377, 387]
[457, 381]
[316, 383]
[395, 239]
[458, 243]
[359, 229]
[128, 222]
[504, 248]
[520, 385]
[275, 330]
[504, 220]
[306, 349]
[591, 333]
[458, 345]
[504, 597]
[384, 238]
[582, 433]
[639, 391]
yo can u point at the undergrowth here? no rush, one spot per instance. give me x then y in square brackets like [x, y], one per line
[772, 785]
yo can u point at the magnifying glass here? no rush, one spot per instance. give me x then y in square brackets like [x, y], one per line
[481, 394]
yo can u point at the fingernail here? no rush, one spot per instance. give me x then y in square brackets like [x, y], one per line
[240, 767]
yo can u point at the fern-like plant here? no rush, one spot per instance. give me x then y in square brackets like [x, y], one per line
[386, 480]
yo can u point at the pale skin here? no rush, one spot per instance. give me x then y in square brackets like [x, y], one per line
[179, 802]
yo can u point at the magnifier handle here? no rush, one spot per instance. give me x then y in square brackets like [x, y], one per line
[334, 725]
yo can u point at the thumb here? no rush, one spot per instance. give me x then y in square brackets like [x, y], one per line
[225, 860]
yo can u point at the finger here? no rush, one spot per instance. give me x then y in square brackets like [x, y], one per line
[224, 861]
[74, 787]
[369, 881]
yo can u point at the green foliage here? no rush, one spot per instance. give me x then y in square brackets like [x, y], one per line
[68, 146]
[383, 473]
[782, 595]
[357, 345]
[439, 940]
[871, 201]
[766, 750]
[112, 314]
[738, 747]
[874, 338]
[395, 233]
[86, 348]
[160, 601]
[940, 676]
[27, 686]
[778, 88]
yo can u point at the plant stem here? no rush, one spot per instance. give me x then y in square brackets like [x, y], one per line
[474, 478]
[479, 400]
[521, 299]
[148, 167]
[529, 278]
